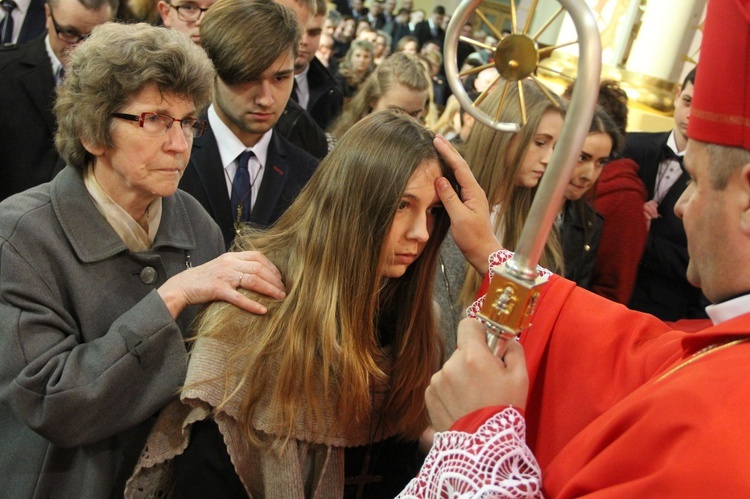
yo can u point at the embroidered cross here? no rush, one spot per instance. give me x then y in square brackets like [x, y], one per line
[364, 478]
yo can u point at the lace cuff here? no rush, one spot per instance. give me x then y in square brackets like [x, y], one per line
[493, 462]
[495, 260]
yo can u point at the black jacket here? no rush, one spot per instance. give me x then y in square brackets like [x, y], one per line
[661, 287]
[299, 128]
[326, 98]
[27, 125]
[580, 233]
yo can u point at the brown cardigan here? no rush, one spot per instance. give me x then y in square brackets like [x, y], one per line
[311, 462]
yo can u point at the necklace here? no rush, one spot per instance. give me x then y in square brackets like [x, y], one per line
[714, 347]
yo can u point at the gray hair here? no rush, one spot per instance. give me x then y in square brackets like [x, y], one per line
[114, 65]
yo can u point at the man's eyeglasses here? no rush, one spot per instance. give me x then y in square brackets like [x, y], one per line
[189, 12]
[67, 35]
[157, 124]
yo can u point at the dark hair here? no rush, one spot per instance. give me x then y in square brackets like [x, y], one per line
[603, 123]
[690, 77]
[439, 10]
[613, 100]
[94, 4]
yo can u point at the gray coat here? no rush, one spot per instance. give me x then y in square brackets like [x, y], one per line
[88, 351]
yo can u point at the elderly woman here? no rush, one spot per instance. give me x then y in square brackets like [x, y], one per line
[99, 268]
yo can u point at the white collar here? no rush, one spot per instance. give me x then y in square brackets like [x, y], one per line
[230, 146]
[672, 144]
[303, 72]
[56, 64]
[729, 309]
[22, 6]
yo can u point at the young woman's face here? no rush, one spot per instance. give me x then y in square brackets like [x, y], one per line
[411, 48]
[412, 102]
[414, 220]
[534, 162]
[361, 60]
[595, 154]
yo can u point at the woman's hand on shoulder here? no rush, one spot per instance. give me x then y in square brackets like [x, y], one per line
[220, 280]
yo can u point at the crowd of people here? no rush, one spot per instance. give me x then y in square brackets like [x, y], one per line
[239, 240]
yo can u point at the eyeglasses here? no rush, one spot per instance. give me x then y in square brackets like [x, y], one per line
[67, 35]
[157, 124]
[188, 13]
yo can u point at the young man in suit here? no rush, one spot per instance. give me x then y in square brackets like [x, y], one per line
[316, 89]
[432, 28]
[28, 76]
[661, 287]
[240, 170]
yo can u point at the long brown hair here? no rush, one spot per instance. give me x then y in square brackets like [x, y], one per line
[496, 159]
[329, 246]
[398, 68]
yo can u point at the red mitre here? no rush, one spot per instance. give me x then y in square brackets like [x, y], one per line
[720, 111]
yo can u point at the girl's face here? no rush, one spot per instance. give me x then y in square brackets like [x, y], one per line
[410, 48]
[361, 60]
[595, 154]
[413, 222]
[406, 99]
[379, 46]
[534, 162]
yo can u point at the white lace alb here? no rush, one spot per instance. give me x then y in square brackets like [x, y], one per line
[493, 462]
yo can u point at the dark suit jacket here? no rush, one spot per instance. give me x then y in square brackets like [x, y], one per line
[27, 124]
[661, 287]
[397, 31]
[326, 98]
[287, 170]
[423, 33]
[34, 24]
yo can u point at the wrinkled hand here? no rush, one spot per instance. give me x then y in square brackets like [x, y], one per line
[650, 211]
[474, 378]
[469, 213]
[220, 279]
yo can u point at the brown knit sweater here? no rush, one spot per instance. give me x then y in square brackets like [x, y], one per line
[314, 461]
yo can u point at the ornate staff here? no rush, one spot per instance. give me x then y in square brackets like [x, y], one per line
[512, 297]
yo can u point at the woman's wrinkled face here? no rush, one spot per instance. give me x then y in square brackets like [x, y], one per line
[413, 222]
[142, 166]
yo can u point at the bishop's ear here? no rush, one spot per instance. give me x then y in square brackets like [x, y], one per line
[745, 203]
